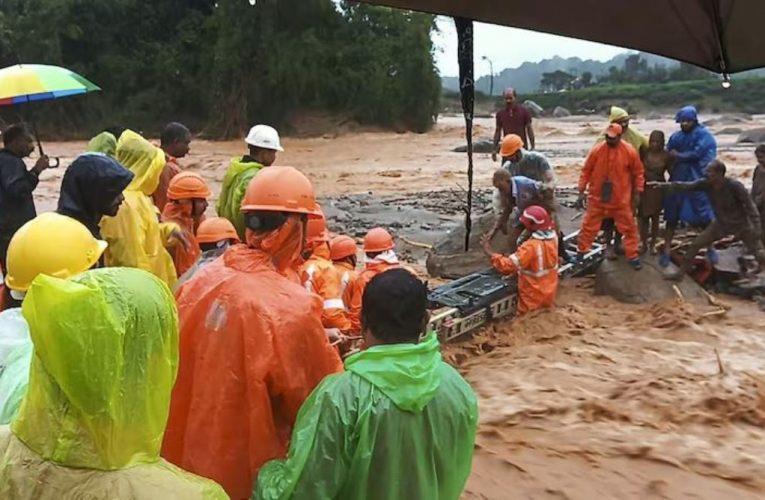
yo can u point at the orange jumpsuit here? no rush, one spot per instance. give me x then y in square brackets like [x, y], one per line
[252, 348]
[355, 291]
[348, 276]
[621, 166]
[320, 276]
[536, 263]
[180, 213]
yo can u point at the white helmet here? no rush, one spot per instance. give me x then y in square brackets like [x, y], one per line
[263, 136]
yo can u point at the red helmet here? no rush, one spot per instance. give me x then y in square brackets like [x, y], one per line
[536, 218]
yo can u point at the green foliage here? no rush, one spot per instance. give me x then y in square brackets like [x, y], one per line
[746, 95]
[223, 66]
[636, 70]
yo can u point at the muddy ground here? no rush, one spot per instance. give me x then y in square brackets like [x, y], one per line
[592, 399]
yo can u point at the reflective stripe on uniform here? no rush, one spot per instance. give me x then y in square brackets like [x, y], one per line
[310, 271]
[334, 304]
[541, 272]
[344, 282]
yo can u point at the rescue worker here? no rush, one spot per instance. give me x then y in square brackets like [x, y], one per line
[399, 423]
[252, 344]
[30, 253]
[175, 141]
[611, 180]
[693, 147]
[92, 419]
[92, 189]
[187, 197]
[263, 143]
[535, 261]
[135, 236]
[638, 141]
[380, 256]
[320, 276]
[343, 251]
[517, 194]
[17, 205]
[104, 143]
[519, 161]
[736, 213]
[215, 235]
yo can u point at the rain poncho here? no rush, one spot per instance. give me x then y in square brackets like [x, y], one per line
[629, 135]
[92, 420]
[347, 277]
[354, 293]
[180, 214]
[695, 150]
[104, 143]
[399, 424]
[135, 236]
[320, 276]
[204, 259]
[90, 185]
[252, 350]
[15, 356]
[536, 263]
[238, 177]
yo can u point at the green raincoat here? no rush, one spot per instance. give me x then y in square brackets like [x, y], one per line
[398, 424]
[93, 418]
[104, 143]
[238, 177]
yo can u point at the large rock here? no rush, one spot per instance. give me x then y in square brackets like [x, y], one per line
[753, 136]
[535, 109]
[448, 258]
[617, 279]
[561, 112]
[729, 119]
[730, 131]
[482, 146]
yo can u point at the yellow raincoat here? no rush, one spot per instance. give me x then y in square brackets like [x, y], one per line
[92, 421]
[135, 236]
[630, 136]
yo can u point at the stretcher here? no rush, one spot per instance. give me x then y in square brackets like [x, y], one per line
[461, 306]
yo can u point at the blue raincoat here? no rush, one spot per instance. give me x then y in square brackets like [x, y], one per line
[696, 149]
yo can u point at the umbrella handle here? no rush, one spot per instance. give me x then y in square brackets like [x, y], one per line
[58, 162]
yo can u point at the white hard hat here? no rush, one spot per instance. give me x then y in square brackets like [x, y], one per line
[263, 136]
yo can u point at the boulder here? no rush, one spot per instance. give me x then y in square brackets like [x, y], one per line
[753, 136]
[730, 131]
[653, 115]
[448, 258]
[561, 112]
[729, 119]
[617, 279]
[482, 146]
[535, 109]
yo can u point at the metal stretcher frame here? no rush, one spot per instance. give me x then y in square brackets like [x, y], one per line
[463, 305]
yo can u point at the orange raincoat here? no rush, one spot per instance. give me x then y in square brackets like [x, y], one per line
[180, 213]
[319, 276]
[536, 263]
[252, 349]
[355, 291]
[348, 276]
[621, 166]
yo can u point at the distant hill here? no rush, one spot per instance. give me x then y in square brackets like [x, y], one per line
[526, 77]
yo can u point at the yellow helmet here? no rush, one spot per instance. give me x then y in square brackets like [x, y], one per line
[51, 244]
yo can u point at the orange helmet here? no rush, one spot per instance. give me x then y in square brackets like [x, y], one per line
[281, 189]
[187, 185]
[216, 229]
[511, 144]
[536, 218]
[316, 230]
[341, 247]
[378, 240]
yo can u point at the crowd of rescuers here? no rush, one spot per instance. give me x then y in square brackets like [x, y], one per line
[153, 352]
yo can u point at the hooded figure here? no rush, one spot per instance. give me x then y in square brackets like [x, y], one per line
[399, 423]
[252, 343]
[135, 236]
[187, 201]
[92, 420]
[104, 143]
[92, 188]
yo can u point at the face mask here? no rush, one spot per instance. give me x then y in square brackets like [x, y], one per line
[284, 244]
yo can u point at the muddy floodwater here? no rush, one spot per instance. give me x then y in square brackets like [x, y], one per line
[594, 399]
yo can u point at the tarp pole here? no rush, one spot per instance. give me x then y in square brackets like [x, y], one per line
[467, 91]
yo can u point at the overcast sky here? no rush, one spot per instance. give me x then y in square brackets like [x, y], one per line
[510, 47]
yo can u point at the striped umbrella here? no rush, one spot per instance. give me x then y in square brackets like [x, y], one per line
[39, 82]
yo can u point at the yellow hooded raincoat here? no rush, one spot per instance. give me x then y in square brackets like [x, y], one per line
[135, 236]
[92, 421]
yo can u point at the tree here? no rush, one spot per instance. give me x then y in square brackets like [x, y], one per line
[587, 78]
[556, 81]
